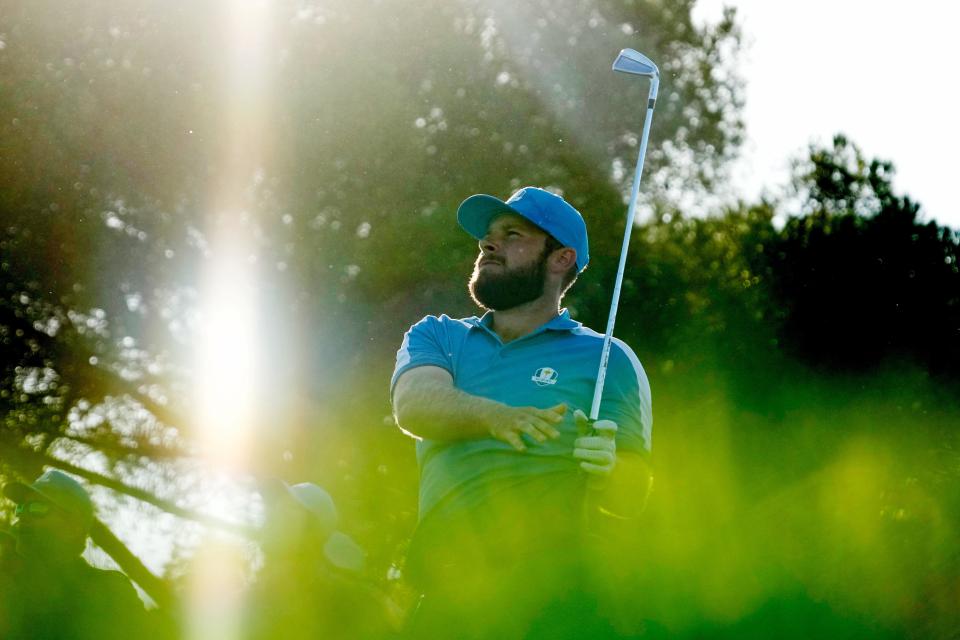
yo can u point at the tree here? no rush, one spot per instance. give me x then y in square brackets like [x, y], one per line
[860, 279]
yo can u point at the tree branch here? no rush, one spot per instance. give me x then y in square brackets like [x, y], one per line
[34, 458]
[156, 587]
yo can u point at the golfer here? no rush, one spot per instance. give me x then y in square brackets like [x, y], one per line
[508, 459]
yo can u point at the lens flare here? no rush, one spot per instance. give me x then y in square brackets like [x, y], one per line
[228, 337]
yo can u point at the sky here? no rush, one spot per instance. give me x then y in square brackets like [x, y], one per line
[880, 72]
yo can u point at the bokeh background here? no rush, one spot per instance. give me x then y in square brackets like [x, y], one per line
[218, 219]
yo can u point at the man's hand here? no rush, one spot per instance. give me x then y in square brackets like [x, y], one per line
[508, 424]
[596, 448]
[428, 406]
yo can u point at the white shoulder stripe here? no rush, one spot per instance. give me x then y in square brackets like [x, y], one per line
[646, 404]
[634, 360]
[403, 353]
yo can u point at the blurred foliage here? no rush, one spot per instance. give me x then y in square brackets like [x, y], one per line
[803, 354]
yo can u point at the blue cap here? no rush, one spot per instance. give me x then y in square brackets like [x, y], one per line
[339, 548]
[60, 490]
[548, 211]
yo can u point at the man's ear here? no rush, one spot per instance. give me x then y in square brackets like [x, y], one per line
[564, 258]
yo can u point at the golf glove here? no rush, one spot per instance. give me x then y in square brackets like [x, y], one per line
[596, 448]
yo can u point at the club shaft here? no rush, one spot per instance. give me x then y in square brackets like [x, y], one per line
[631, 214]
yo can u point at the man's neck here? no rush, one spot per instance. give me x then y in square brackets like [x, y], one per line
[517, 322]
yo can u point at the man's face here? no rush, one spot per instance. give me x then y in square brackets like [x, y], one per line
[511, 268]
[44, 531]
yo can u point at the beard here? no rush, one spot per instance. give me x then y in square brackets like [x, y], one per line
[510, 287]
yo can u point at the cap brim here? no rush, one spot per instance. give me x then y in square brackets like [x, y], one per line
[476, 212]
[20, 493]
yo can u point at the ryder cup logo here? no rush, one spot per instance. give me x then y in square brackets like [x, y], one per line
[545, 376]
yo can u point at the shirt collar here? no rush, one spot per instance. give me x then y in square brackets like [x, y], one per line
[560, 322]
[485, 321]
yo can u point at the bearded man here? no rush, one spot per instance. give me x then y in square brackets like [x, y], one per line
[510, 467]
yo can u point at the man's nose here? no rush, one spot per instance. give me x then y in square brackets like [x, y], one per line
[488, 245]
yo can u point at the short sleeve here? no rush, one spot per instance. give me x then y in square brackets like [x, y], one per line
[424, 344]
[626, 399]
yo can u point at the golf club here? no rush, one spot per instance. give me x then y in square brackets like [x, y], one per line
[633, 63]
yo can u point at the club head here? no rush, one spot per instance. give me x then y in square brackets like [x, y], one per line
[635, 63]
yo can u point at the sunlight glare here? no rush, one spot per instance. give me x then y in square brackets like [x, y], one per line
[226, 359]
[228, 337]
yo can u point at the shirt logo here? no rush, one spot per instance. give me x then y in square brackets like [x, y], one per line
[545, 376]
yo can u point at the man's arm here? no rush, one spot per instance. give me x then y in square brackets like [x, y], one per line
[427, 405]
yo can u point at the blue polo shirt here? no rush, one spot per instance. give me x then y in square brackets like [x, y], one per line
[557, 363]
